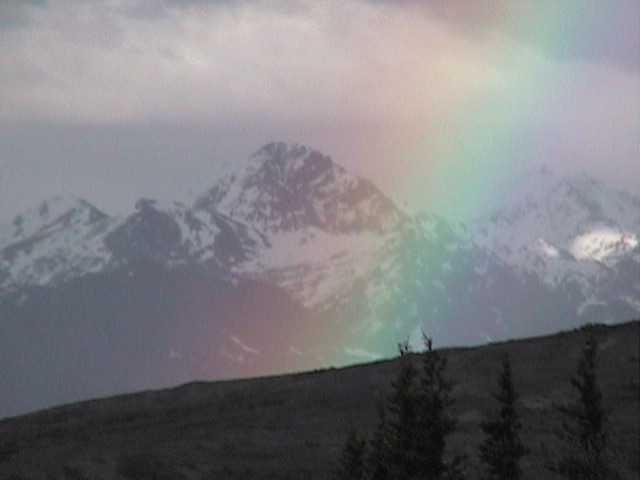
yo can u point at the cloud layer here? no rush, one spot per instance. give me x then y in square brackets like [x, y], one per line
[365, 80]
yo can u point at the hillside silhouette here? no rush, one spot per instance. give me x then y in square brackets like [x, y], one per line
[294, 426]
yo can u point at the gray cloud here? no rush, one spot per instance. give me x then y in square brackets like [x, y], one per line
[112, 100]
[16, 13]
[590, 30]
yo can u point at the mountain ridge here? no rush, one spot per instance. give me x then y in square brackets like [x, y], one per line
[349, 283]
[290, 209]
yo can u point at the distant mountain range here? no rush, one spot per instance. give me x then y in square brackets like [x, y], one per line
[289, 262]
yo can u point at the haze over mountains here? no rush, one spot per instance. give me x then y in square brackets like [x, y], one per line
[291, 262]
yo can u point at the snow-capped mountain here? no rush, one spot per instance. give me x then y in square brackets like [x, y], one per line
[286, 188]
[292, 217]
[569, 231]
[289, 251]
[322, 228]
[575, 218]
[59, 239]
[61, 211]
[66, 238]
[173, 234]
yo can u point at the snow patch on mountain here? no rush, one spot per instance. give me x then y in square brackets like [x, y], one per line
[601, 244]
[562, 229]
[314, 266]
[547, 249]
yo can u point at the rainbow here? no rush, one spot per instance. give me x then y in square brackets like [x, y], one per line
[478, 146]
[476, 154]
[462, 162]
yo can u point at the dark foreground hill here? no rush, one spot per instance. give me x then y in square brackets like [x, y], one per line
[294, 426]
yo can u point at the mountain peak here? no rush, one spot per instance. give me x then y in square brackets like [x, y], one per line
[549, 220]
[282, 149]
[58, 204]
[284, 160]
[288, 187]
[59, 209]
[51, 241]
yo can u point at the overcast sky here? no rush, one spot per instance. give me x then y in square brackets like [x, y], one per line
[118, 99]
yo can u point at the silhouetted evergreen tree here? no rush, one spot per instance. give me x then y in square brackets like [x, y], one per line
[584, 427]
[410, 440]
[434, 417]
[502, 449]
[378, 459]
[402, 429]
[352, 465]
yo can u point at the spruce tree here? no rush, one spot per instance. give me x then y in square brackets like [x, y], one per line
[403, 420]
[378, 459]
[435, 420]
[352, 465]
[583, 429]
[502, 448]
[410, 440]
